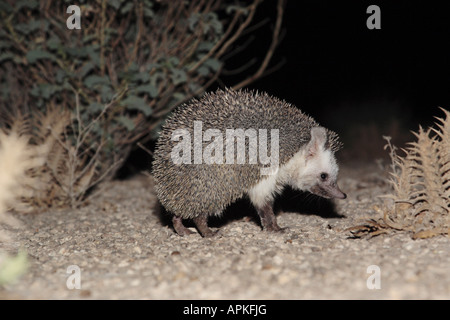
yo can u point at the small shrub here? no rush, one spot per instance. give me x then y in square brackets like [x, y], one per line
[115, 79]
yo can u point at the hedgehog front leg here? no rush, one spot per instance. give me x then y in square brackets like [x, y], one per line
[268, 219]
[201, 222]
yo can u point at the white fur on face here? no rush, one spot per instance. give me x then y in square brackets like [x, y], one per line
[324, 162]
[300, 173]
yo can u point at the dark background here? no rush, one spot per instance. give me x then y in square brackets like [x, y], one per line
[361, 83]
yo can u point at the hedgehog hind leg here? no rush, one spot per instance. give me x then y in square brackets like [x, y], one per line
[201, 222]
[179, 226]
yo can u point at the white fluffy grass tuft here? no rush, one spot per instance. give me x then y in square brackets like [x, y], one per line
[16, 158]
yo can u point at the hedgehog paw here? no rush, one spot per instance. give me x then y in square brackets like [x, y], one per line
[276, 228]
[210, 233]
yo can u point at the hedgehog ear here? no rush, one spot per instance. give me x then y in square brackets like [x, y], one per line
[317, 142]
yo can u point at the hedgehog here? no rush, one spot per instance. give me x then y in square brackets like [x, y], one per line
[214, 150]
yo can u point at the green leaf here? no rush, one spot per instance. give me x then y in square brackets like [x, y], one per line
[48, 90]
[5, 7]
[95, 107]
[89, 38]
[213, 64]
[178, 96]
[155, 77]
[203, 71]
[172, 61]
[94, 54]
[151, 66]
[149, 13]
[45, 90]
[193, 20]
[136, 103]
[53, 43]
[111, 31]
[178, 76]
[106, 93]
[148, 88]
[31, 4]
[133, 67]
[95, 79]
[31, 26]
[6, 56]
[127, 7]
[35, 91]
[141, 76]
[217, 26]
[86, 69]
[205, 46]
[77, 52]
[232, 8]
[114, 3]
[60, 76]
[5, 44]
[194, 87]
[126, 122]
[148, 3]
[37, 54]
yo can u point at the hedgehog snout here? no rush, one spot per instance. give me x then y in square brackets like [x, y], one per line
[328, 191]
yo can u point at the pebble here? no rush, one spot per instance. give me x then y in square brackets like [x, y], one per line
[138, 250]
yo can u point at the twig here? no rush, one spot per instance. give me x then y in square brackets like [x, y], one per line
[240, 69]
[241, 28]
[273, 45]
[218, 44]
[239, 49]
[102, 38]
[140, 145]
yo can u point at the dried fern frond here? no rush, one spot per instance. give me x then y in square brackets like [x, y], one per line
[42, 187]
[368, 229]
[421, 183]
[443, 134]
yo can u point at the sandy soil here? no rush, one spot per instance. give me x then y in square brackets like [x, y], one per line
[126, 249]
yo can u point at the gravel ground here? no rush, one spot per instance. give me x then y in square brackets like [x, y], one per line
[125, 249]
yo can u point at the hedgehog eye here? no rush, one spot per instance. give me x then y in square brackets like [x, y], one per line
[323, 176]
